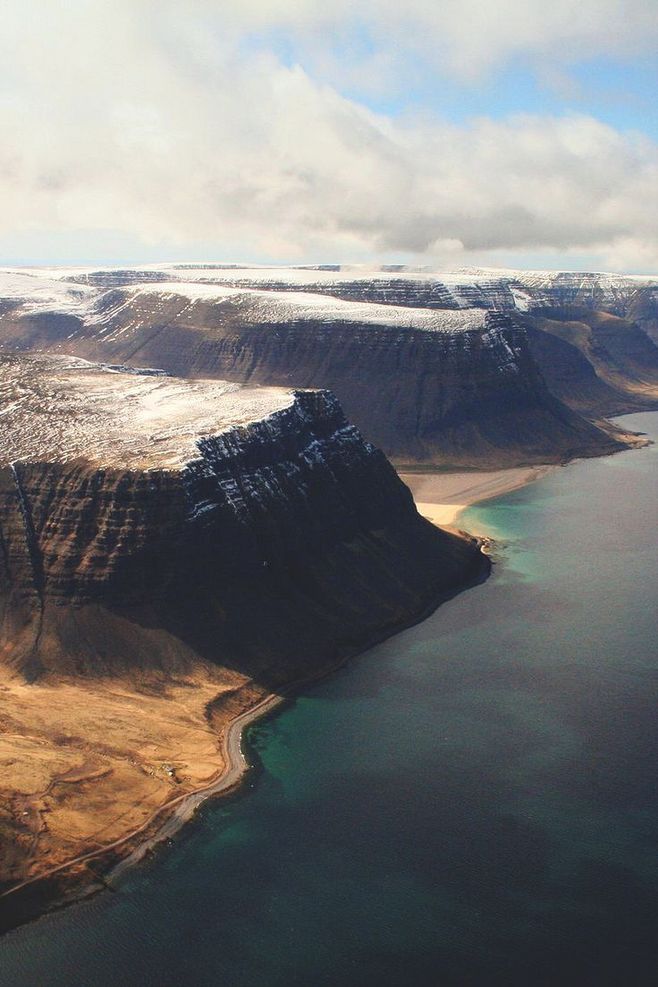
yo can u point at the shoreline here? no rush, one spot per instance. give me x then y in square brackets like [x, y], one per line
[445, 496]
[235, 770]
[183, 805]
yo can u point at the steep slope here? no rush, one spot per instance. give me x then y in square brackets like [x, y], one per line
[451, 386]
[620, 353]
[620, 356]
[643, 311]
[570, 375]
[171, 553]
[152, 496]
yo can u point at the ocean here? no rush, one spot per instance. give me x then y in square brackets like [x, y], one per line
[473, 802]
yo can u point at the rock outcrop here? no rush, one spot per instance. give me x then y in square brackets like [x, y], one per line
[249, 528]
[643, 311]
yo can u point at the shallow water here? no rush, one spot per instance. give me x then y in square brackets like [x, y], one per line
[473, 802]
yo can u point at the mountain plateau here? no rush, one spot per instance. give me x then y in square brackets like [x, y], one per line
[460, 368]
[173, 553]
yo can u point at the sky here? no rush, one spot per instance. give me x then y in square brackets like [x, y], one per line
[440, 133]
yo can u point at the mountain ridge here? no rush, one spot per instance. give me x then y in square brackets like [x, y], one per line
[433, 384]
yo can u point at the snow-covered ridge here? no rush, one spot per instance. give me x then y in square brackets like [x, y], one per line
[37, 292]
[449, 300]
[305, 274]
[32, 294]
[260, 306]
[459, 288]
[60, 409]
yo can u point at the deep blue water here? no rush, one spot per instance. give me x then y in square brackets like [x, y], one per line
[473, 802]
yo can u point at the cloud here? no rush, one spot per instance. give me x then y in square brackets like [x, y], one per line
[167, 123]
[464, 37]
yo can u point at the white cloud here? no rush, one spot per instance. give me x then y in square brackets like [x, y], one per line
[465, 37]
[163, 121]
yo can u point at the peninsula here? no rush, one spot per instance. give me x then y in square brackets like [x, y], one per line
[176, 556]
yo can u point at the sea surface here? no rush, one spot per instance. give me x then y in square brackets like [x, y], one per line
[473, 802]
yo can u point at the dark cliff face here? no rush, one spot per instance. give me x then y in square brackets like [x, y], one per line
[491, 294]
[618, 315]
[570, 375]
[283, 546]
[507, 372]
[465, 398]
[473, 396]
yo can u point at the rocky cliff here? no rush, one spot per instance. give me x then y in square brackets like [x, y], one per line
[166, 532]
[610, 320]
[453, 385]
[172, 555]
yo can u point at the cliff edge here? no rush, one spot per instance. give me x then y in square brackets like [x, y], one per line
[171, 553]
[459, 382]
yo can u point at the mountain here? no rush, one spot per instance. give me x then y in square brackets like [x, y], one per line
[148, 494]
[171, 553]
[465, 368]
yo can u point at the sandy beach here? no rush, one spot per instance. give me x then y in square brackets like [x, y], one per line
[441, 497]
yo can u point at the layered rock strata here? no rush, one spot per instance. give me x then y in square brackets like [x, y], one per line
[275, 543]
[454, 386]
[171, 554]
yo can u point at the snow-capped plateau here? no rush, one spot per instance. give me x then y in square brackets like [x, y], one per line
[457, 288]
[65, 408]
[465, 366]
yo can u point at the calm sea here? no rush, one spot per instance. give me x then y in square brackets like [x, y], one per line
[473, 802]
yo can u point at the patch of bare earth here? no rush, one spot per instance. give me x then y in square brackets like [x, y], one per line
[85, 764]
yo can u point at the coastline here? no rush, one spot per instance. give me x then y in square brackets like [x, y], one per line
[442, 497]
[183, 805]
[445, 495]
[449, 495]
[73, 881]
[237, 854]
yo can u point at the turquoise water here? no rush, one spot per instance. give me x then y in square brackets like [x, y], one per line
[473, 802]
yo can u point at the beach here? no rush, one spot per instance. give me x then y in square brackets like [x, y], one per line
[442, 496]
